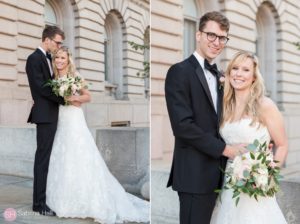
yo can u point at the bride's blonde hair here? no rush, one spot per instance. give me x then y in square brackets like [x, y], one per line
[71, 71]
[257, 91]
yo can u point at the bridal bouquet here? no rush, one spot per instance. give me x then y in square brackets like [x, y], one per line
[254, 173]
[66, 86]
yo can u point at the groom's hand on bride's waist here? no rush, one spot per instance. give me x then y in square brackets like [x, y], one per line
[231, 151]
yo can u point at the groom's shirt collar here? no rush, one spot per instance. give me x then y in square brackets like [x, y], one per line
[42, 50]
[199, 58]
[48, 60]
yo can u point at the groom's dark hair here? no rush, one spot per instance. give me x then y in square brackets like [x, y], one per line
[217, 17]
[51, 31]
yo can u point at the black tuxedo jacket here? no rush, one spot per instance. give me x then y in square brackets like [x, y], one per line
[45, 107]
[198, 145]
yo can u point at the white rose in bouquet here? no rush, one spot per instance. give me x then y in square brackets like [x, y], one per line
[74, 89]
[261, 178]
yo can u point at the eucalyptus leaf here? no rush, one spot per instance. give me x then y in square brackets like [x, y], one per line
[240, 183]
[246, 173]
[251, 147]
[256, 142]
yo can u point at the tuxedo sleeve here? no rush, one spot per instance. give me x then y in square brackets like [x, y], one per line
[37, 81]
[177, 91]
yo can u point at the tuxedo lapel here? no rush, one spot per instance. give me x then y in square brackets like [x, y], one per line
[220, 100]
[201, 76]
[220, 92]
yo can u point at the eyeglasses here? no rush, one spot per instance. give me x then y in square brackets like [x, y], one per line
[212, 37]
[57, 42]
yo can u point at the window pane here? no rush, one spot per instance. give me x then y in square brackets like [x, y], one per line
[50, 17]
[189, 39]
[106, 68]
[190, 8]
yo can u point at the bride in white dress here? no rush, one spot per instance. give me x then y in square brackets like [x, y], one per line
[248, 115]
[79, 183]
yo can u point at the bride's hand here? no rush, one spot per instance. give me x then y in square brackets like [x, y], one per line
[75, 103]
[72, 98]
[231, 151]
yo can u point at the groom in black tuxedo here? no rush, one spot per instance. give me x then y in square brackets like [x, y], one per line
[194, 102]
[44, 112]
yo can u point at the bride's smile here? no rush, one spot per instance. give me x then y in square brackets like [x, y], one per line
[61, 61]
[241, 76]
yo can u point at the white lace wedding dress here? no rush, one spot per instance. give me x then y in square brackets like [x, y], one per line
[248, 210]
[79, 183]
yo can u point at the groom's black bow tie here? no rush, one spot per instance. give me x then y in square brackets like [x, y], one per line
[212, 68]
[48, 55]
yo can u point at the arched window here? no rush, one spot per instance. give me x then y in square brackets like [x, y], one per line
[190, 11]
[61, 14]
[266, 48]
[113, 47]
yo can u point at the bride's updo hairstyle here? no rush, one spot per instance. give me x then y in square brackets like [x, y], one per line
[257, 91]
[71, 72]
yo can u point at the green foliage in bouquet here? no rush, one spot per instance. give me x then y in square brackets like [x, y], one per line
[254, 173]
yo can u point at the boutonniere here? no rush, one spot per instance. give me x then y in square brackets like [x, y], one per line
[221, 80]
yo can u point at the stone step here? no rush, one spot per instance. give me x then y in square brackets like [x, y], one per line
[165, 204]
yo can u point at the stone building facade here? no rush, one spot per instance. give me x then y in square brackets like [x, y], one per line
[98, 33]
[266, 28]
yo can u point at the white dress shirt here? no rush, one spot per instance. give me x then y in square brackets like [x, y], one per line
[48, 60]
[210, 78]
